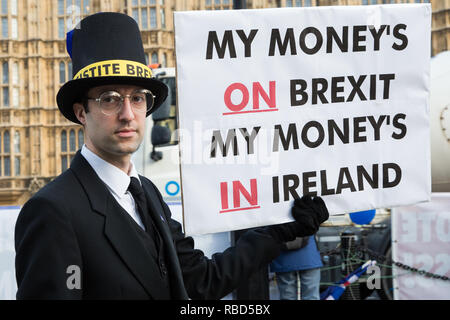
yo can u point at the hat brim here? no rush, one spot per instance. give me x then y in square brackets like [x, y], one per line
[73, 90]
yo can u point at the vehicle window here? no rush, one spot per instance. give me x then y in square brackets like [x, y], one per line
[171, 122]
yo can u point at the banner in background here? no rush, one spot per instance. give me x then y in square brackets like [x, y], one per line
[277, 103]
[421, 240]
[8, 284]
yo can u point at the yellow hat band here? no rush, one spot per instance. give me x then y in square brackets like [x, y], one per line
[114, 68]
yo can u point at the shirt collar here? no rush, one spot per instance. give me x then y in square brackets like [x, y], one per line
[116, 180]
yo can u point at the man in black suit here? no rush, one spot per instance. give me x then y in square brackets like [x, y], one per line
[100, 230]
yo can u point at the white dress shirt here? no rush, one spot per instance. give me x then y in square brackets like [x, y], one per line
[116, 181]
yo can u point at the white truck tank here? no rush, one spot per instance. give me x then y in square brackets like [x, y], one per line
[440, 122]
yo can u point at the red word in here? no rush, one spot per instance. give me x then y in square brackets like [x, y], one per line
[237, 191]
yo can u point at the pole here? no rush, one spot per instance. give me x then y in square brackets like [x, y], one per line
[239, 4]
[348, 245]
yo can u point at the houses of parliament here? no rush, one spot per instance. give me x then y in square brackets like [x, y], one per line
[36, 142]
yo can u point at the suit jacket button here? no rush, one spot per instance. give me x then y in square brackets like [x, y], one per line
[163, 268]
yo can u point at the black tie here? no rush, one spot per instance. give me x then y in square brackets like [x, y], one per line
[137, 192]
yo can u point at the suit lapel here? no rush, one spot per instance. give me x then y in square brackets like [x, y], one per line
[117, 230]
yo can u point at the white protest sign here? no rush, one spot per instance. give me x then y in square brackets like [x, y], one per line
[421, 240]
[277, 103]
[8, 285]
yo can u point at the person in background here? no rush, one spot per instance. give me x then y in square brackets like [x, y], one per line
[299, 258]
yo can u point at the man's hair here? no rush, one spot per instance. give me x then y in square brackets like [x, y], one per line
[85, 104]
[84, 101]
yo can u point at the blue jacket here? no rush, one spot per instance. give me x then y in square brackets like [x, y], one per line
[300, 259]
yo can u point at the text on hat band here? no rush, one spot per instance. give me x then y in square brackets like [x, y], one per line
[124, 68]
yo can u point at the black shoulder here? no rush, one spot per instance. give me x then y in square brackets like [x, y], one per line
[55, 198]
[59, 188]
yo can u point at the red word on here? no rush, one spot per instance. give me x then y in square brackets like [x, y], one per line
[257, 92]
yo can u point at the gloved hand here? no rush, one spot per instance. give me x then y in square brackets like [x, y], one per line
[308, 212]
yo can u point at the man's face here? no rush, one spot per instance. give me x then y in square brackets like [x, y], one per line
[116, 136]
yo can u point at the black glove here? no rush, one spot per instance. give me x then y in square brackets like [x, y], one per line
[308, 212]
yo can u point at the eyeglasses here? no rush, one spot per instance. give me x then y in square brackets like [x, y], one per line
[110, 102]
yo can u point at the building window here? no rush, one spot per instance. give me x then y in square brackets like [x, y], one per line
[17, 166]
[144, 12]
[163, 17]
[4, 6]
[8, 11]
[14, 27]
[17, 142]
[63, 150]
[7, 166]
[64, 163]
[5, 72]
[5, 94]
[5, 84]
[15, 73]
[63, 141]
[15, 84]
[298, 3]
[5, 159]
[219, 4]
[13, 10]
[135, 15]
[6, 142]
[164, 61]
[61, 29]
[65, 71]
[144, 18]
[80, 138]
[153, 18]
[69, 13]
[5, 28]
[71, 141]
[86, 7]
[69, 70]
[15, 97]
[62, 72]
[17, 155]
[154, 57]
[61, 7]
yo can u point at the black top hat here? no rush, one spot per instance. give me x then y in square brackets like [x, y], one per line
[106, 48]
